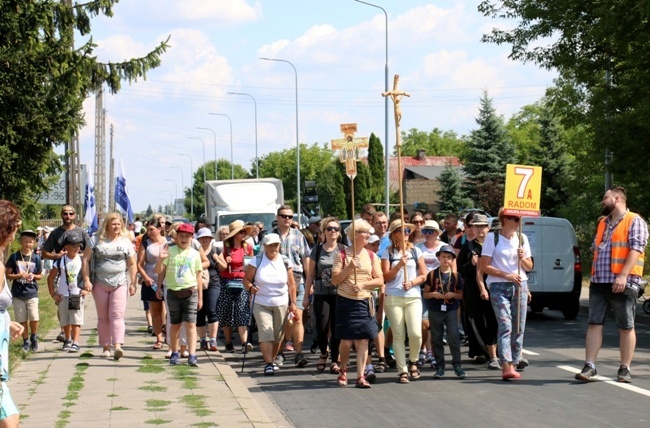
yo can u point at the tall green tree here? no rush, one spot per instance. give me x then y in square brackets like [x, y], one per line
[489, 150]
[149, 212]
[331, 192]
[223, 172]
[451, 197]
[434, 143]
[44, 81]
[362, 188]
[377, 169]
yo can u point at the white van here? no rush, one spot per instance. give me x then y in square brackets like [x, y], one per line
[556, 278]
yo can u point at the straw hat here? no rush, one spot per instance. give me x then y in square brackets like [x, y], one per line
[236, 226]
[432, 225]
[396, 224]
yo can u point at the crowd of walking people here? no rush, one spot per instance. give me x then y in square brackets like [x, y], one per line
[369, 289]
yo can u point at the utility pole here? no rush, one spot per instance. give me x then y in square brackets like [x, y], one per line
[111, 174]
[100, 154]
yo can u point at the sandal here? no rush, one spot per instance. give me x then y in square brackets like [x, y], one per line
[342, 380]
[335, 369]
[380, 367]
[268, 369]
[403, 378]
[362, 383]
[157, 345]
[322, 362]
[414, 370]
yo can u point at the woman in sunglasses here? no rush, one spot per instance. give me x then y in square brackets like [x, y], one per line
[417, 220]
[505, 259]
[403, 302]
[319, 283]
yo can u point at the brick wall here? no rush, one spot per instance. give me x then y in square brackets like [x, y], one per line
[421, 190]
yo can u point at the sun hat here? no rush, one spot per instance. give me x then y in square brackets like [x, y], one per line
[446, 249]
[480, 220]
[432, 225]
[396, 224]
[236, 226]
[204, 232]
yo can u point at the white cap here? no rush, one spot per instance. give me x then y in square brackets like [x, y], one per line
[373, 239]
[203, 232]
[271, 238]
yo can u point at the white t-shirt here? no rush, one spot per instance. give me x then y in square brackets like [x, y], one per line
[110, 259]
[72, 269]
[504, 256]
[271, 280]
[396, 287]
[430, 259]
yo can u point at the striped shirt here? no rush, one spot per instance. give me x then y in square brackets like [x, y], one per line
[367, 271]
[637, 239]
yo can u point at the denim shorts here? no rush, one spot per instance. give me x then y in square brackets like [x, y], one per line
[601, 298]
[182, 310]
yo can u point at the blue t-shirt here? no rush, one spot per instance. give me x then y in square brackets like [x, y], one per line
[19, 263]
[443, 283]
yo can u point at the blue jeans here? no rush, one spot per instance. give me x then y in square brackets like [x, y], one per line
[503, 296]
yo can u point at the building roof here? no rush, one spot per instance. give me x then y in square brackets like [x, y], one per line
[423, 165]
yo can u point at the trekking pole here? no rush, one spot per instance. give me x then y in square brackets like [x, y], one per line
[248, 335]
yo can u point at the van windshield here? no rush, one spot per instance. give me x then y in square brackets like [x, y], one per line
[266, 218]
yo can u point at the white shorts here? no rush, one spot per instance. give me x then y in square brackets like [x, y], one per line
[26, 310]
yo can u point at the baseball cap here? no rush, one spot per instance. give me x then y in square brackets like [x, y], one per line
[72, 239]
[185, 227]
[373, 239]
[271, 238]
[28, 232]
[203, 233]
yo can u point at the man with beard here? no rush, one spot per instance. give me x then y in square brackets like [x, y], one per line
[617, 269]
[53, 246]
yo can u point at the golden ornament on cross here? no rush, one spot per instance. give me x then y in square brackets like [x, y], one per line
[350, 148]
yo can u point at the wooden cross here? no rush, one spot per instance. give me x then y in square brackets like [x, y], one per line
[350, 148]
[396, 96]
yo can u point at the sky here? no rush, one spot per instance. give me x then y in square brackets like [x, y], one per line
[338, 48]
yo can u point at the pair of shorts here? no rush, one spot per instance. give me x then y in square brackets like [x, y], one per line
[71, 316]
[7, 406]
[26, 310]
[601, 298]
[300, 294]
[182, 309]
[270, 320]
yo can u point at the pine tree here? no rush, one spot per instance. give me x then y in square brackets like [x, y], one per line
[377, 169]
[361, 187]
[149, 211]
[451, 197]
[489, 150]
[331, 194]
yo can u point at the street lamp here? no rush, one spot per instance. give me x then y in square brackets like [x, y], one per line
[175, 189]
[385, 110]
[297, 140]
[171, 207]
[232, 165]
[257, 159]
[214, 135]
[204, 164]
[191, 183]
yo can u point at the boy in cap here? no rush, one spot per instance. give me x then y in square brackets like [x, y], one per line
[24, 268]
[69, 293]
[443, 289]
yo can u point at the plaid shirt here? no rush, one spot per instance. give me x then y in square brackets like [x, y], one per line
[637, 238]
[295, 247]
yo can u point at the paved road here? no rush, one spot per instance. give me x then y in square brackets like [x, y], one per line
[546, 396]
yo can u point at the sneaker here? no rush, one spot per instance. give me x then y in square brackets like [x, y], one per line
[279, 360]
[275, 367]
[185, 354]
[269, 370]
[439, 374]
[26, 345]
[390, 360]
[118, 354]
[213, 344]
[460, 374]
[229, 347]
[624, 375]
[522, 364]
[66, 345]
[509, 373]
[370, 375]
[494, 364]
[175, 359]
[249, 347]
[150, 330]
[204, 345]
[61, 337]
[314, 347]
[288, 347]
[74, 347]
[192, 361]
[106, 354]
[300, 360]
[480, 359]
[34, 345]
[588, 374]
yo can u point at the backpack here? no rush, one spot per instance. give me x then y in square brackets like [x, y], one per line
[391, 259]
[258, 262]
[496, 238]
[344, 257]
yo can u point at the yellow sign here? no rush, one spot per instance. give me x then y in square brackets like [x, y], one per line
[523, 190]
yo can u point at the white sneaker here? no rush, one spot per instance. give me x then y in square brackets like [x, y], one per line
[106, 354]
[118, 354]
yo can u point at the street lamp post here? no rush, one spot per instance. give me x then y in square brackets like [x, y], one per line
[204, 164]
[386, 145]
[191, 183]
[257, 159]
[175, 190]
[232, 165]
[214, 135]
[297, 140]
[171, 196]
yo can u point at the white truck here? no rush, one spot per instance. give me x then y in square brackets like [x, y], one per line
[249, 200]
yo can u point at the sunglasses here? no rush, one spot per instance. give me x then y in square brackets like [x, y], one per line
[418, 223]
[515, 219]
[286, 216]
[406, 231]
[68, 213]
[332, 229]
[428, 231]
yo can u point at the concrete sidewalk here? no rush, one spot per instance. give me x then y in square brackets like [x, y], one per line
[59, 389]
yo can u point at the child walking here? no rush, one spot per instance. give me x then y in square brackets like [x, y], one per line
[25, 269]
[69, 294]
[443, 290]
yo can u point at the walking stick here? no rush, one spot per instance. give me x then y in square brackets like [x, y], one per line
[248, 335]
[396, 96]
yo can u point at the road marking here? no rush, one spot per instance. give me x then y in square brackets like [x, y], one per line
[610, 381]
[523, 351]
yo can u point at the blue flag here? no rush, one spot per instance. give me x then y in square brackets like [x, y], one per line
[122, 200]
[90, 210]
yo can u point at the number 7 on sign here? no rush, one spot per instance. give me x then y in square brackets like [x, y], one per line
[527, 174]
